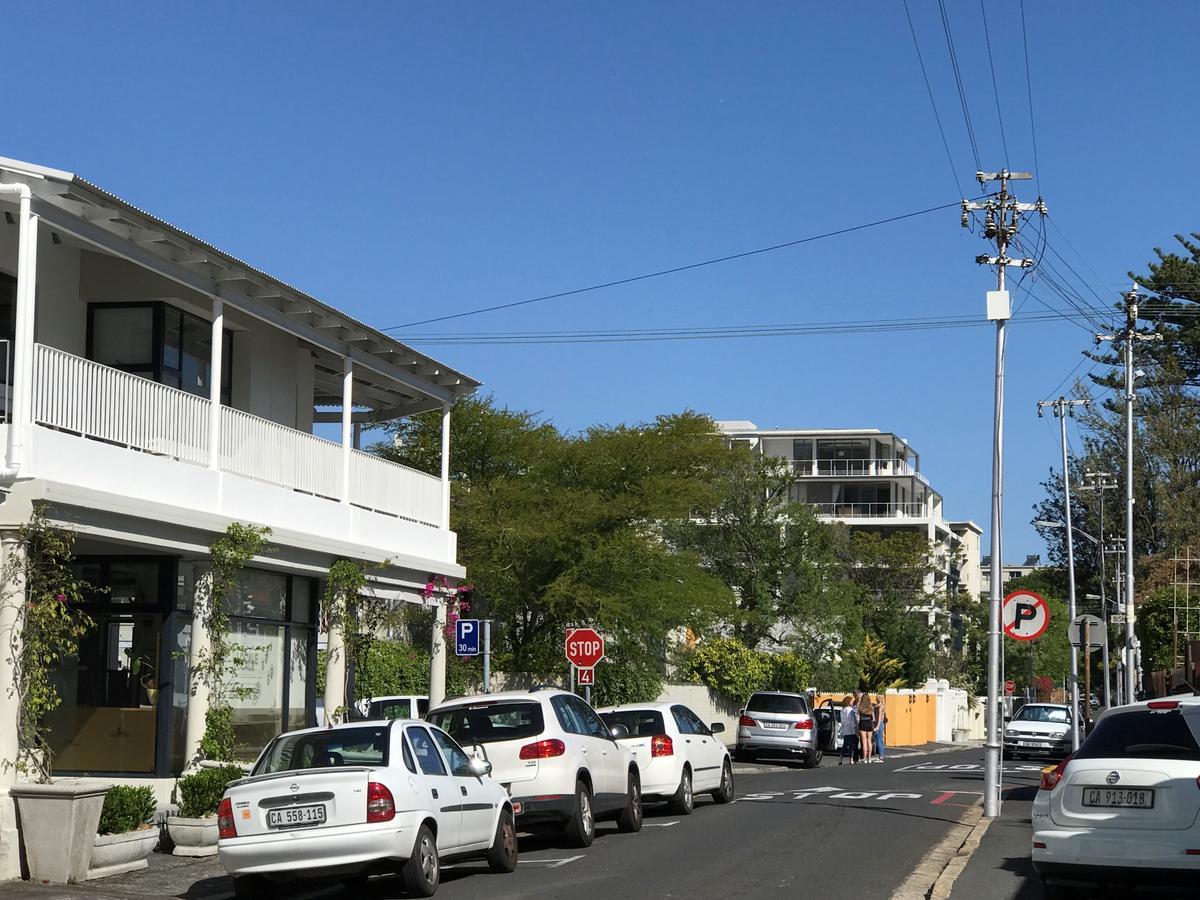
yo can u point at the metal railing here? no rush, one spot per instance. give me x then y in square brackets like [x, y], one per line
[386, 487]
[910, 510]
[849, 468]
[267, 451]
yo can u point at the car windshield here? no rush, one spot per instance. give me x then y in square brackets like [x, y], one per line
[365, 746]
[639, 722]
[1034, 713]
[485, 723]
[390, 709]
[1142, 734]
[776, 703]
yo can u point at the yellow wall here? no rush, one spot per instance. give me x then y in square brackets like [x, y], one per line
[911, 718]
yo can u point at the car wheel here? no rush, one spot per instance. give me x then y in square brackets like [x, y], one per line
[682, 803]
[630, 820]
[812, 759]
[502, 857]
[248, 887]
[421, 871]
[581, 827]
[724, 793]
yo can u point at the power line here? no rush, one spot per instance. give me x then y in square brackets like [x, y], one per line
[962, 94]
[676, 269]
[1037, 166]
[995, 85]
[929, 90]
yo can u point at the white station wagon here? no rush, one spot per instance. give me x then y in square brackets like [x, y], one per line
[358, 799]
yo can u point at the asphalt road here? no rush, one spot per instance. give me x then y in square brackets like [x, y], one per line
[855, 832]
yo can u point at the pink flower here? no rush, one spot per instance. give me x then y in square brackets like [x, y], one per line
[61, 598]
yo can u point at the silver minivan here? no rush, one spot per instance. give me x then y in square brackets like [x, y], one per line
[781, 725]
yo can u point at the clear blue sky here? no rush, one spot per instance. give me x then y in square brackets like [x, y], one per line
[408, 160]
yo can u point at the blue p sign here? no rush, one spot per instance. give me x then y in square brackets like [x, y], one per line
[466, 637]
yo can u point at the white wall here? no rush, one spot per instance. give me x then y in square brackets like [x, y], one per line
[709, 706]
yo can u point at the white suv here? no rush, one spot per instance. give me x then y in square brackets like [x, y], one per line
[1126, 807]
[555, 757]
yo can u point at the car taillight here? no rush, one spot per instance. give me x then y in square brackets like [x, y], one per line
[380, 805]
[746, 722]
[543, 749]
[804, 724]
[1051, 777]
[662, 745]
[226, 828]
[1163, 704]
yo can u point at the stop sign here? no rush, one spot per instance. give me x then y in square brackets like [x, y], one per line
[585, 647]
[1010, 687]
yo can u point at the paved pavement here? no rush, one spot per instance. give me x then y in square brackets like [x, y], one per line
[791, 832]
[999, 869]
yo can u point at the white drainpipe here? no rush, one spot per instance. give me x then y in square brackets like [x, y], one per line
[20, 394]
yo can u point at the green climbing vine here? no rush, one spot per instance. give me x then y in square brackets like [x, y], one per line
[361, 615]
[228, 556]
[47, 626]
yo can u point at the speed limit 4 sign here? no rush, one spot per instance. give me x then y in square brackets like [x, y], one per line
[1025, 615]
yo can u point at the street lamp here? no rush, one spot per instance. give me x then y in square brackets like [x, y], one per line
[1047, 523]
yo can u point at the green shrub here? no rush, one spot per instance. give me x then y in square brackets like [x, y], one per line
[619, 682]
[391, 667]
[731, 668]
[126, 808]
[200, 793]
[790, 672]
[219, 742]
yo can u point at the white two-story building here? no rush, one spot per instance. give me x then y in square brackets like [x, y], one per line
[870, 480]
[155, 389]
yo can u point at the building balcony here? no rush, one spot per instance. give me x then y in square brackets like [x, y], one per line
[872, 510]
[855, 468]
[99, 432]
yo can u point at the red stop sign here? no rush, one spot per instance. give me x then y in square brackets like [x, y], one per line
[585, 647]
[1009, 687]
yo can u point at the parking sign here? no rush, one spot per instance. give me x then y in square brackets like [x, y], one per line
[466, 637]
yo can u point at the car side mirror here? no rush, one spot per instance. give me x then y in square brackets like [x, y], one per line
[618, 731]
[479, 767]
[717, 727]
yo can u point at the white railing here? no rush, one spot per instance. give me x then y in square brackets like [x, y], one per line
[77, 395]
[849, 468]
[267, 451]
[387, 487]
[871, 510]
[82, 397]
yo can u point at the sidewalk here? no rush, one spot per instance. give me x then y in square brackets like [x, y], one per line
[1000, 869]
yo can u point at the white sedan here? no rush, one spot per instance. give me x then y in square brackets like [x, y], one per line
[361, 798]
[1125, 809]
[677, 754]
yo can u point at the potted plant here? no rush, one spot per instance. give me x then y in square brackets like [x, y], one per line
[125, 836]
[194, 830]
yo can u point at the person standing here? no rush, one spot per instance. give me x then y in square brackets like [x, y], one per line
[880, 724]
[849, 729]
[866, 725]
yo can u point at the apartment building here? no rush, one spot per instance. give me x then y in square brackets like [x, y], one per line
[158, 389]
[1009, 571]
[871, 480]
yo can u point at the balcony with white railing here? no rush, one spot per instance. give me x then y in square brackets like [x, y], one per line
[855, 468]
[846, 510]
[84, 399]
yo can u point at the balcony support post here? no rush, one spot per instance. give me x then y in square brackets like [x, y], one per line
[347, 424]
[215, 370]
[446, 466]
[10, 639]
[198, 652]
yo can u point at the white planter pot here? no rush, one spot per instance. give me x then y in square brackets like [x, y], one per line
[58, 823]
[193, 837]
[115, 854]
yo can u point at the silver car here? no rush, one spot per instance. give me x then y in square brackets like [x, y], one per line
[778, 724]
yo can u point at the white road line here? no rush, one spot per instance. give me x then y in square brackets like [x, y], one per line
[659, 824]
[551, 863]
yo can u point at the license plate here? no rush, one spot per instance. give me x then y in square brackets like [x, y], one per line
[774, 724]
[296, 816]
[1125, 798]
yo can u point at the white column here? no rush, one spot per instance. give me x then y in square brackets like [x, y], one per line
[214, 384]
[335, 674]
[437, 655]
[199, 648]
[10, 645]
[446, 465]
[347, 424]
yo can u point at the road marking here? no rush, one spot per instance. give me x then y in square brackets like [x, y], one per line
[961, 767]
[943, 799]
[659, 824]
[548, 863]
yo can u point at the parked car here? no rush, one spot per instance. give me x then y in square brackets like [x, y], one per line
[829, 726]
[1039, 729]
[1124, 809]
[554, 755]
[779, 724]
[395, 706]
[359, 798]
[677, 755]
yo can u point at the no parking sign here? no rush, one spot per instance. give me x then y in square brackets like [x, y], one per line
[1025, 615]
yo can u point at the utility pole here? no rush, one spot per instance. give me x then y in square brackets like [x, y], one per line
[1062, 408]
[1002, 214]
[1099, 482]
[1127, 337]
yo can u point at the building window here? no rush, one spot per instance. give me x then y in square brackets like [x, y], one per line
[160, 342]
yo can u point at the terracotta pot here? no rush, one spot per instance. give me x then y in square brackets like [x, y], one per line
[193, 837]
[115, 854]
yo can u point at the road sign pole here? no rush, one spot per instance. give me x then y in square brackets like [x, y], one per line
[587, 694]
[487, 656]
[1087, 672]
